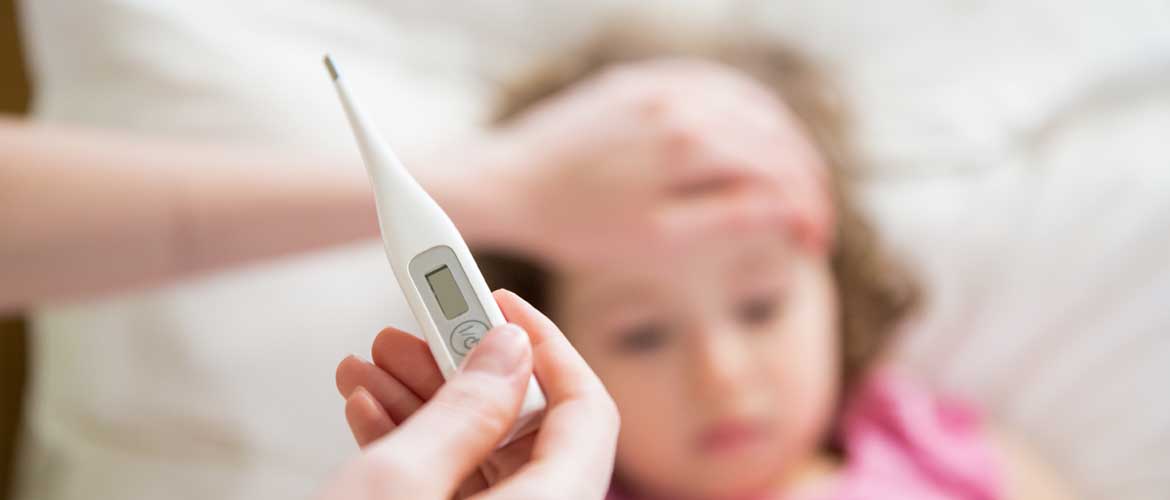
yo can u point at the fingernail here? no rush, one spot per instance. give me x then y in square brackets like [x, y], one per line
[500, 352]
[361, 392]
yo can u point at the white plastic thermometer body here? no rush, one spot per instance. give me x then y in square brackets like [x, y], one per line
[446, 292]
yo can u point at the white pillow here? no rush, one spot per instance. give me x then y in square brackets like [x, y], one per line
[1049, 289]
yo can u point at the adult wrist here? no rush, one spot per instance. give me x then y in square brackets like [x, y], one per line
[482, 183]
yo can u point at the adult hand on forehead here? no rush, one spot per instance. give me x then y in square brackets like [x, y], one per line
[426, 439]
[654, 155]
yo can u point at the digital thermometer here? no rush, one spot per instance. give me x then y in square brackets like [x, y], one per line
[445, 290]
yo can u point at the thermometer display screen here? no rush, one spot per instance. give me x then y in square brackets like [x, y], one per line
[447, 292]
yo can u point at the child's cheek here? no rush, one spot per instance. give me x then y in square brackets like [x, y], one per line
[799, 362]
[654, 440]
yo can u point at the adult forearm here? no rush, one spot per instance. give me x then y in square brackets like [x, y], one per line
[86, 212]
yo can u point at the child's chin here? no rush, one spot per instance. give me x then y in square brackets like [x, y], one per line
[742, 476]
[734, 488]
[724, 479]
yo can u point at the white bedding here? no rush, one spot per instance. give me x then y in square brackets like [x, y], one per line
[1019, 153]
[1050, 294]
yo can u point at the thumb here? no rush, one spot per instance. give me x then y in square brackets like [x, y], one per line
[449, 436]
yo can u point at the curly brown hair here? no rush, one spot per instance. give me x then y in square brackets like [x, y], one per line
[874, 292]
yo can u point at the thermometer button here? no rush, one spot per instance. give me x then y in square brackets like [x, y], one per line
[466, 336]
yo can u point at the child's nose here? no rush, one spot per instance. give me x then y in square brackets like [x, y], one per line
[720, 365]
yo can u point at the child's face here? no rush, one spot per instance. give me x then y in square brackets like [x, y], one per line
[722, 360]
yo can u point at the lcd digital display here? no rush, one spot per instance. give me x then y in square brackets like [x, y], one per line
[447, 292]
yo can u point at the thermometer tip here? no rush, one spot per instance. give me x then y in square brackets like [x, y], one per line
[329, 66]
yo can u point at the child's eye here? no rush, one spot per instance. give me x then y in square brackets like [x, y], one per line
[760, 311]
[643, 338]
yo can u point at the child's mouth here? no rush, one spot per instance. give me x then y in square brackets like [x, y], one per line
[730, 436]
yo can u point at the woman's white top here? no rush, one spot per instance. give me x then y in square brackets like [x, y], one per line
[222, 386]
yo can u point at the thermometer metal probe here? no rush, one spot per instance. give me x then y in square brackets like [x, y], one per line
[443, 286]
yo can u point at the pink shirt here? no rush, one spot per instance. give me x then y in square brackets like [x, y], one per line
[903, 442]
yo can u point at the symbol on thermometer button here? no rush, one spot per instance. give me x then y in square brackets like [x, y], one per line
[466, 335]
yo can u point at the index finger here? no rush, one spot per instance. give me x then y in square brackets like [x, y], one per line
[576, 441]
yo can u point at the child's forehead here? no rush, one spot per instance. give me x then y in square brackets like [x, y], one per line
[709, 266]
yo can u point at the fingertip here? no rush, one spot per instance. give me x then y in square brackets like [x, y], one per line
[391, 340]
[408, 359]
[509, 301]
[504, 295]
[523, 314]
[386, 335]
[764, 215]
[518, 311]
[505, 350]
[345, 374]
[361, 398]
[367, 420]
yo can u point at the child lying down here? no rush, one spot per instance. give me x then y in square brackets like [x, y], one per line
[750, 366]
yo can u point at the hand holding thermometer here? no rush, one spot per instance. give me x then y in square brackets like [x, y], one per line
[431, 262]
